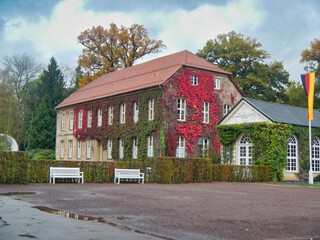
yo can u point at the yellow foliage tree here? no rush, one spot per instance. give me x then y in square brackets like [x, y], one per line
[107, 50]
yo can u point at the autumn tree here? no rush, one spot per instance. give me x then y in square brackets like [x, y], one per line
[245, 60]
[312, 58]
[107, 50]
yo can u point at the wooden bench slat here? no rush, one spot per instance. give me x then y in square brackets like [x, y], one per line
[61, 172]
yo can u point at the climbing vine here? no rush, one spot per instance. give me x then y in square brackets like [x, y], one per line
[127, 131]
[193, 127]
[270, 142]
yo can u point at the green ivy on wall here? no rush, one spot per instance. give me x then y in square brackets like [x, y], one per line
[270, 142]
[127, 131]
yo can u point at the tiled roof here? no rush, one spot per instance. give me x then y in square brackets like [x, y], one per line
[282, 113]
[145, 75]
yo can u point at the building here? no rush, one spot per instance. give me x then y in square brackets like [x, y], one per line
[169, 106]
[273, 133]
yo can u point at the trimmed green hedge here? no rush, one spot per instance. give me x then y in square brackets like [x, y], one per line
[234, 173]
[13, 167]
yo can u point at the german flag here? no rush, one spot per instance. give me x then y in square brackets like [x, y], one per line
[308, 84]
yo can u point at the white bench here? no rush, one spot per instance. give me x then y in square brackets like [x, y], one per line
[63, 172]
[128, 174]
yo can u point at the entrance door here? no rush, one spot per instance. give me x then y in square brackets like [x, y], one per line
[245, 150]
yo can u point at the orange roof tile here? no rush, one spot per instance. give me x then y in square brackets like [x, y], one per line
[140, 76]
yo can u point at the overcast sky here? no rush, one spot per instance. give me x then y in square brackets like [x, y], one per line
[45, 28]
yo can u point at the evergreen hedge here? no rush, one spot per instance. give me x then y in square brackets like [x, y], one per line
[13, 167]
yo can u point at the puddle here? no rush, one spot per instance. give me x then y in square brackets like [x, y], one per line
[67, 214]
[16, 193]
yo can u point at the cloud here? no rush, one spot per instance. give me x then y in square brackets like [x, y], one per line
[56, 34]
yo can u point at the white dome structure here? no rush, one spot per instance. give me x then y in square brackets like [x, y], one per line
[10, 142]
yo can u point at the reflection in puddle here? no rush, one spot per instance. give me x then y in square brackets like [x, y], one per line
[70, 215]
[8, 194]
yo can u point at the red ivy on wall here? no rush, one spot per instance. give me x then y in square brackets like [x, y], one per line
[195, 95]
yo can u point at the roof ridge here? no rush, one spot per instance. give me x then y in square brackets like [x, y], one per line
[283, 104]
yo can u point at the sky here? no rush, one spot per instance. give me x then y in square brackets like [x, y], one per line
[46, 28]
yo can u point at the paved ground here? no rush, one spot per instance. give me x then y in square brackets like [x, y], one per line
[184, 211]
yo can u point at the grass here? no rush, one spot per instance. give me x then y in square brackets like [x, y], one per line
[317, 184]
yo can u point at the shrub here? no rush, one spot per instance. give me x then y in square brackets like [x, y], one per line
[13, 167]
[38, 154]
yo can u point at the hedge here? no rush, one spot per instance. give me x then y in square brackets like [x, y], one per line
[13, 167]
[234, 173]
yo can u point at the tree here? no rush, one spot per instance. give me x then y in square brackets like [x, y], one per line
[245, 60]
[312, 58]
[43, 123]
[107, 50]
[23, 69]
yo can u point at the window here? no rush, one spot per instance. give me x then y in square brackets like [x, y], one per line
[120, 148]
[109, 148]
[151, 109]
[89, 119]
[181, 106]
[150, 146]
[99, 117]
[63, 122]
[204, 146]
[80, 114]
[62, 149]
[206, 107]
[79, 150]
[88, 149]
[181, 148]
[292, 154]
[135, 148]
[123, 113]
[70, 149]
[71, 121]
[217, 83]
[110, 115]
[194, 80]
[135, 111]
[226, 109]
[245, 151]
[315, 155]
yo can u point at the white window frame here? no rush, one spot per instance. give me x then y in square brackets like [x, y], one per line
[121, 148]
[79, 149]
[70, 143]
[122, 113]
[109, 149]
[88, 149]
[110, 115]
[181, 108]
[150, 146]
[194, 80]
[217, 83]
[135, 148]
[135, 112]
[151, 109]
[61, 149]
[205, 147]
[180, 151]
[206, 112]
[99, 117]
[89, 118]
[292, 154]
[226, 109]
[316, 155]
[63, 122]
[71, 121]
[80, 116]
[244, 150]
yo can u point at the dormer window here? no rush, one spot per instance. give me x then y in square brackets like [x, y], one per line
[194, 80]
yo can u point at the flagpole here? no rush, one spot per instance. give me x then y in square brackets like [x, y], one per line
[310, 155]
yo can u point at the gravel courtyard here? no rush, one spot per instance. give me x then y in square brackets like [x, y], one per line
[188, 211]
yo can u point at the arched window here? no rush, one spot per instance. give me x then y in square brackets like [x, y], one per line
[245, 150]
[315, 155]
[292, 154]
